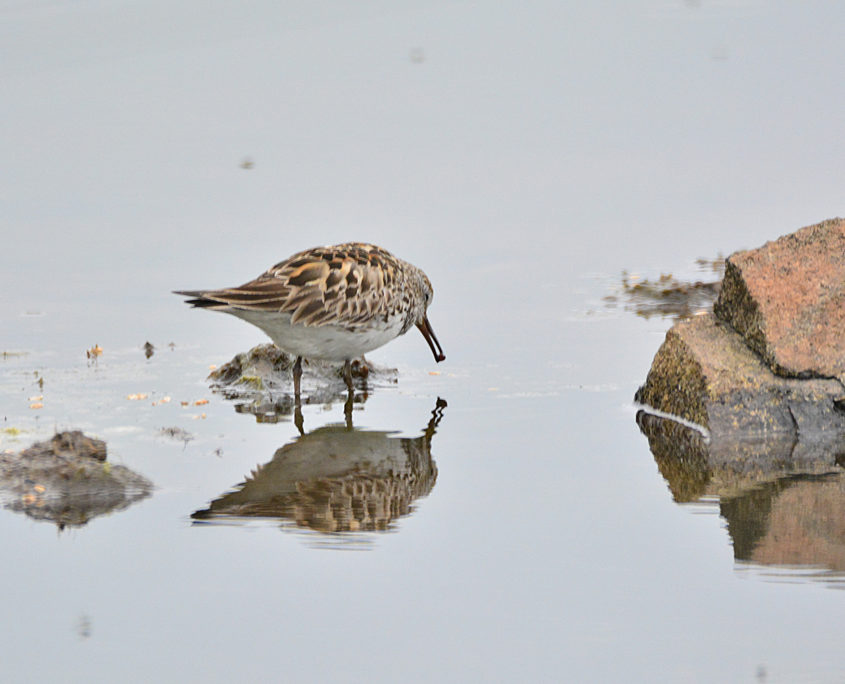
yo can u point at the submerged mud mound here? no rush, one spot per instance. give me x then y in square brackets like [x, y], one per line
[261, 380]
[268, 367]
[68, 481]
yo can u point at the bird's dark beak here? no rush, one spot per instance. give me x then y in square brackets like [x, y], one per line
[431, 338]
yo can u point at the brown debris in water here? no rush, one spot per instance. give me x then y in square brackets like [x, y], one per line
[668, 296]
[94, 352]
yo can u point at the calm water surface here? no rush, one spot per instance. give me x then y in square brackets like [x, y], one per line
[513, 523]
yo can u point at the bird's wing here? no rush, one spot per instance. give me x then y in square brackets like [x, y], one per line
[342, 285]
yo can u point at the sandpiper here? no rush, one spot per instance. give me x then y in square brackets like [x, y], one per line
[331, 303]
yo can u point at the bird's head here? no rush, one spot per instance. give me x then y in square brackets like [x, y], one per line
[422, 294]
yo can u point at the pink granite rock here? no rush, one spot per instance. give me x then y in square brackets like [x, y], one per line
[787, 299]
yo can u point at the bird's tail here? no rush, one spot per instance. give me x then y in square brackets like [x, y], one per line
[202, 299]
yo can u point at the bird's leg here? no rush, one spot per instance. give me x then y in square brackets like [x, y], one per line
[298, 420]
[347, 374]
[297, 375]
[297, 399]
[347, 410]
[347, 407]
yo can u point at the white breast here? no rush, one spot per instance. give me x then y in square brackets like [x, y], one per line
[330, 343]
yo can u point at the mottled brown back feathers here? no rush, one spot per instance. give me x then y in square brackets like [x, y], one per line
[345, 285]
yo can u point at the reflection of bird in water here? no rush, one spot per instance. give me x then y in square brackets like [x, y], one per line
[337, 480]
[332, 303]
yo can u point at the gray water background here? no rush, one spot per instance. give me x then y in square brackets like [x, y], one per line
[523, 154]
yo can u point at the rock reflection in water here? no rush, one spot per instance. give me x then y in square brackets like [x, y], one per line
[336, 479]
[795, 521]
[783, 499]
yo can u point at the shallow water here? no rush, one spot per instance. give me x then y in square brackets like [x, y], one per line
[524, 157]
